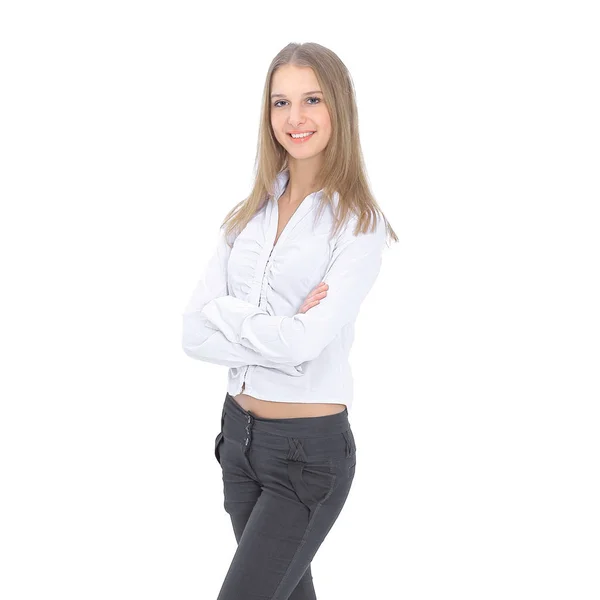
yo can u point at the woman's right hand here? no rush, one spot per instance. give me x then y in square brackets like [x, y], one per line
[314, 297]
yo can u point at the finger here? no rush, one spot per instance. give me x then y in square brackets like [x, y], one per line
[318, 296]
[307, 306]
[321, 286]
[311, 304]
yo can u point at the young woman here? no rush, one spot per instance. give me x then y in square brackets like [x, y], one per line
[277, 304]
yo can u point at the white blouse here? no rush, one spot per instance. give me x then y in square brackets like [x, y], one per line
[243, 312]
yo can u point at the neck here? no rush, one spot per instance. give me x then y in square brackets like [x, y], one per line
[303, 181]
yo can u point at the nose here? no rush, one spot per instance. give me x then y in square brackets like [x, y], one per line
[296, 117]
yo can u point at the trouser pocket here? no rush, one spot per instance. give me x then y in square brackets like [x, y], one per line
[312, 481]
[219, 439]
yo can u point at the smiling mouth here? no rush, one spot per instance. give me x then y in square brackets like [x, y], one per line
[302, 137]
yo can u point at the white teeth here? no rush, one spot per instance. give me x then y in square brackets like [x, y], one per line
[301, 135]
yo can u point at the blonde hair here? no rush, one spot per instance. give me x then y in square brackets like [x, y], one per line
[343, 170]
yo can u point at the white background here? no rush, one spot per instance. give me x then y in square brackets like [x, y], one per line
[128, 131]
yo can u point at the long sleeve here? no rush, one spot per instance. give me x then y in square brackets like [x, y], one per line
[202, 340]
[351, 273]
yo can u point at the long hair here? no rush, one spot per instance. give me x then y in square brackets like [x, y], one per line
[343, 171]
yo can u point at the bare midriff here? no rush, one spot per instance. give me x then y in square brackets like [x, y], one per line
[266, 409]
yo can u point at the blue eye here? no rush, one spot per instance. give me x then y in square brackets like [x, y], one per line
[309, 98]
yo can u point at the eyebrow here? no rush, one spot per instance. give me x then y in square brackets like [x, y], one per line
[305, 94]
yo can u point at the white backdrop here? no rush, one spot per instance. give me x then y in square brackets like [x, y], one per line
[128, 130]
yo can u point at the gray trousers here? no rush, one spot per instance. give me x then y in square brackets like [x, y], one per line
[285, 482]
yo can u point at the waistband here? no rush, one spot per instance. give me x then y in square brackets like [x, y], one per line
[295, 427]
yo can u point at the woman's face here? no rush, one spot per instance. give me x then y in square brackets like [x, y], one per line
[297, 105]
